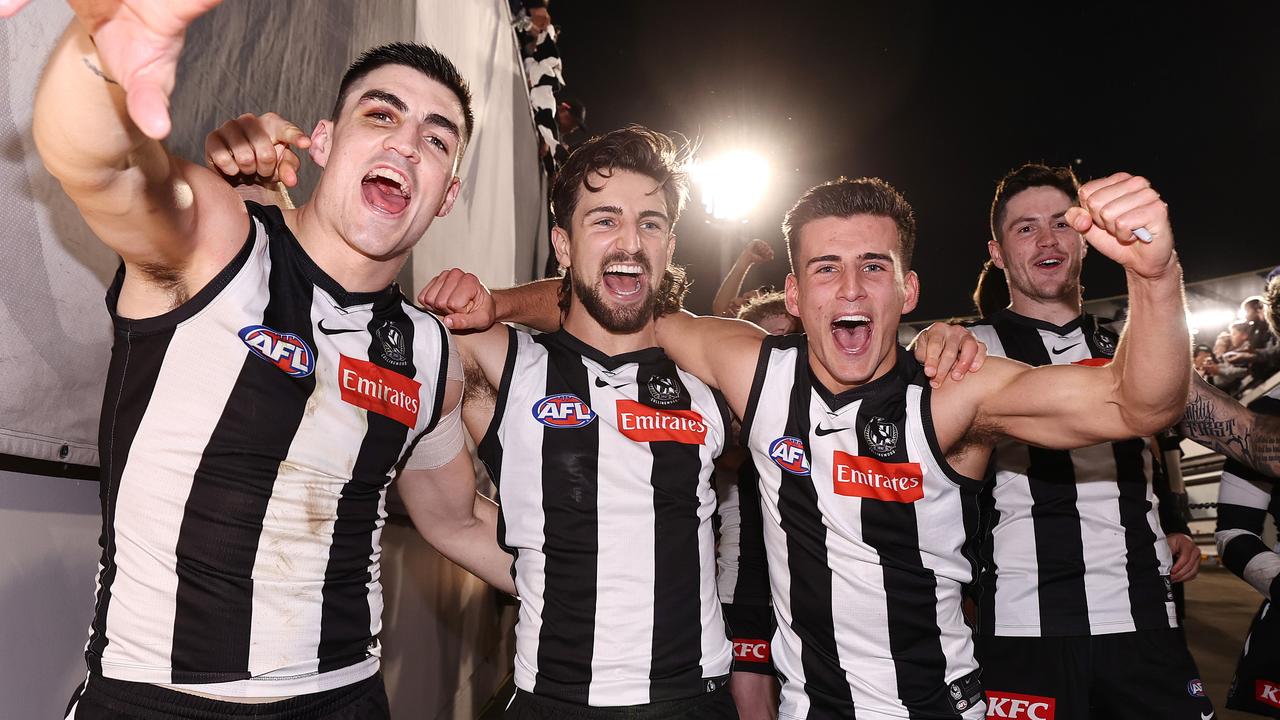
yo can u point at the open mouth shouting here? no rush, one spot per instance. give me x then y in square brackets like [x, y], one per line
[1051, 262]
[625, 280]
[852, 333]
[386, 190]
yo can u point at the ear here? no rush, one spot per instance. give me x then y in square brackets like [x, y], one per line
[993, 249]
[671, 248]
[791, 293]
[450, 195]
[911, 282]
[321, 142]
[560, 242]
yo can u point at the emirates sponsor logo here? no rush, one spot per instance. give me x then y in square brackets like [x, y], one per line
[1093, 362]
[756, 651]
[379, 390]
[865, 477]
[645, 424]
[1268, 692]
[1019, 707]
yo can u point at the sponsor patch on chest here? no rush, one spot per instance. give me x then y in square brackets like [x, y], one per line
[787, 452]
[379, 390]
[864, 477]
[286, 351]
[642, 423]
[564, 410]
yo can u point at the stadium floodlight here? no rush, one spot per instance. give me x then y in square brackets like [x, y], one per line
[1210, 319]
[731, 184]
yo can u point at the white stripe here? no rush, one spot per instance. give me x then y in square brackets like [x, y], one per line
[1235, 490]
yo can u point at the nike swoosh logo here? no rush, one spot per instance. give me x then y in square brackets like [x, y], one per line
[1206, 717]
[336, 331]
[1056, 351]
[602, 384]
[821, 431]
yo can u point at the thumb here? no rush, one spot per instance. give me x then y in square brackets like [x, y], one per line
[1079, 219]
[148, 107]
[9, 7]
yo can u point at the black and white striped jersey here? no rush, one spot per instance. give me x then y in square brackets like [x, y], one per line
[247, 440]
[1245, 497]
[868, 532]
[1072, 543]
[742, 568]
[603, 466]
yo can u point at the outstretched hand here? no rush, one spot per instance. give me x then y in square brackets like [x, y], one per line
[1125, 219]
[463, 301]
[258, 149]
[138, 42]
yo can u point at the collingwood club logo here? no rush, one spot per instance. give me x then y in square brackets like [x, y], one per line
[392, 343]
[1105, 344]
[881, 436]
[663, 390]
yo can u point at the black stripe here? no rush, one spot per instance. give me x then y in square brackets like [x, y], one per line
[1240, 550]
[912, 590]
[570, 493]
[489, 449]
[443, 377]
[1147, 590]
[1051, 477]
[675, 670]
[807, 563]
[131, 378]
[986, 581]
[345, 615]
[222, 520]
[1241, 517]
[752, 586]
[767, 346]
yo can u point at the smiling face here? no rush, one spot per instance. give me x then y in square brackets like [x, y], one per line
[850, 291]
[390, 160]
[1038, 250]
[616, 250]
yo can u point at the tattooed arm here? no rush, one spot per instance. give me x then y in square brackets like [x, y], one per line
[1217, 421]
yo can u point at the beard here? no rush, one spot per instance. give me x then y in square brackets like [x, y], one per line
[618, 320]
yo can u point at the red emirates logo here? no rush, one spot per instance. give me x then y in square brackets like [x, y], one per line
[1019, 707]
[1093, 362]
[866, 477]
[1268, 692]
[756, 651]
[379, 390]
[645, 424]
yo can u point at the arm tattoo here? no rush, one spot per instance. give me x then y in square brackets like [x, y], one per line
[1221, 423]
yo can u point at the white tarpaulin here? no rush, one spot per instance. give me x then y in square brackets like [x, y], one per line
[243, 57]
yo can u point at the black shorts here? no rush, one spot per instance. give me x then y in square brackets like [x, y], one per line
[1256, 687]
[1139, 675]
[102, 698]
[714, 705]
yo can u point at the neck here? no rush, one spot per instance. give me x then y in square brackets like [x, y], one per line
[835, 386]
[579, 323]
[1057, 311]
[326, 247]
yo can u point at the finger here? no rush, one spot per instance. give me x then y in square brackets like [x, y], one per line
[1113, 187]
[465, 294]
[287, 165]
[217, 153]
[148, 106]
[1089, 189]
[9, 7]
[446, 296]
[427, 297]
[1150, 219]
[1144, 200]
[283, 131]
[240, 147]
[1079, 220]
[461, 321]
[964, 359]
[948, 358]
[264, 153]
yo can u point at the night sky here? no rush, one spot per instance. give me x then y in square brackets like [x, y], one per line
[941, 99]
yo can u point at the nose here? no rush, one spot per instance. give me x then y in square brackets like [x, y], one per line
[851, 286]
[403, 141]
[629, 238]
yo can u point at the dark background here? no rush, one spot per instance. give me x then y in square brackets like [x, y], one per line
[941, 99]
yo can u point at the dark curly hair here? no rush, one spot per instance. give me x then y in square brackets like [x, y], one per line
[635, 149]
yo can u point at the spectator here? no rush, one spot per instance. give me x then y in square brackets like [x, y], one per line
[572, 119]
[730, 298]
[992, 292]
[769, 311]
[1206, 364]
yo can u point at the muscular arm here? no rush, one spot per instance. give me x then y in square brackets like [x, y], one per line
[453, 517]
[535, 305]
[174, 223]
[719, 351]
[1214, 419]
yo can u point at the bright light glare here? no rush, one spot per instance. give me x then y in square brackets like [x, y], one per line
[1210, 319]
[731, 184]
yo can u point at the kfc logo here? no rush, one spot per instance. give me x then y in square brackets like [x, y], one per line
[1019, 707]
[379, 390]
[645, 424]
[1268, 692]
[756, 651]
[865, 477]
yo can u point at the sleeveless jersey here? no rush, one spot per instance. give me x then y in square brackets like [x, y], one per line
[247, 440]
[868, 533]
[1072, 539]
[603, 466]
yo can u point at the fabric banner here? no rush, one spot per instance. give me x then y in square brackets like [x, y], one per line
[243, 57]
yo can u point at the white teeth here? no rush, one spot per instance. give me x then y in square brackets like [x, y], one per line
[393, 176]
[631, 269]
[1052, 262]
[853, 318]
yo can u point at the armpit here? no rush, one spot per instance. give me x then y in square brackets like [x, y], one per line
[478, 392]
[168, 279]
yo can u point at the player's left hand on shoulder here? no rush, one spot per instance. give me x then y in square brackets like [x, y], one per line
[948, 350]
[1124, 218]
[1186, 557]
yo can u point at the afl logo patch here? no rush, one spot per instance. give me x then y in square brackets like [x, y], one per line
[788, 453]
[881, 436]
[284, 350]
[562, 411]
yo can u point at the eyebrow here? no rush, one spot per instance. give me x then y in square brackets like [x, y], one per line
[1027, 218]
[604, 209]
[653, 213]
[434, 119]
[837, 258]
[444, 123]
